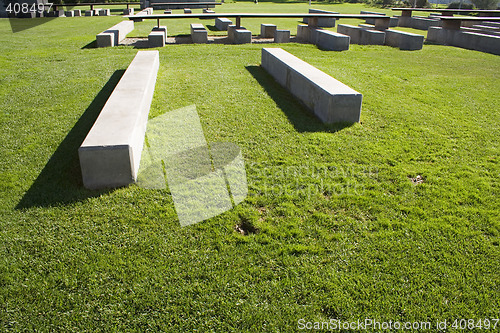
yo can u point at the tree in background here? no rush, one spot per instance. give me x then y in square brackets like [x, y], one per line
[485, 4]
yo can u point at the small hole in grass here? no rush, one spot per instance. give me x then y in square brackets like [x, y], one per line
[246, 225]
[417, 180]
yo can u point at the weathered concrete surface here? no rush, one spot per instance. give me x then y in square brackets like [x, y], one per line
[332, 41]
[304, 33]
[329, 99]
[199, 34]
[242, 36]
[156, 39]
[111, 152]
[221, 23]
[105, 39]
[282, 36]
[267, 30]
[161, 28]
[404, 40]
[351, 31]
[119, 31]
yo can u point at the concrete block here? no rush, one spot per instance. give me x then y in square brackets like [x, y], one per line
[208, 11]
[119, 31]
[129, 11]
[161, 28]
[199, 34]
[332, 41]
[167, 11]
[267, 30]
[111, 153]
[231, 32]
[221, 23]
[77, 12]
[282, 36]
[393, 21]
[187, 11]
[242, 36]
[69, 13]
[370, 21]
[372, 37]
[304, 33]
[404, 40]
[156, 39]
[329, 99]
[436, 35]
[104, 12]
[59, 13]
[89, 13]
[351, 31]
[105, 39]
[423, 23]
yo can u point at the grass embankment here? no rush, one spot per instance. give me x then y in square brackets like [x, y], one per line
[344, 232]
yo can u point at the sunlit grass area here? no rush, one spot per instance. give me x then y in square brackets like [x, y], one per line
[393, 218]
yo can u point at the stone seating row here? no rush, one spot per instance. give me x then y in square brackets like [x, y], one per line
[465, 38]
[366, 35]
[329, 99]
[114, 35]
[110, 155]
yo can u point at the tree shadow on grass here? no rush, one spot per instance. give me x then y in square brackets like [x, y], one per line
[60, 181]
[301, 118]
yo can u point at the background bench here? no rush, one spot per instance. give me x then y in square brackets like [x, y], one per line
[114, 35]
[111, 152]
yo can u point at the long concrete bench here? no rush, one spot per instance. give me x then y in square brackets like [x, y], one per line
[404, 40]
[361, 35]
[330, 100]
[199, 34]
[114, 35]
[221, 23]
[110, 154]
[423, 23]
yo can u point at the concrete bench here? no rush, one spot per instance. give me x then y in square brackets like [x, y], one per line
[325, 22]
[187, 11]
[465, 39]
[267, 30]
[104, 12]
[89, 13]
[128, 11]
[199, 34]
[111, 153]
[404, 40]
[77, 12]
[329, 99]
[393, 22]
[361, 35]
[238, 35]
[242, 36]
[167, 11]
[69, 13]
[332, 41]
[282, 36]
[114, 35]
[221, 23]
[156, 38]
[423, 23]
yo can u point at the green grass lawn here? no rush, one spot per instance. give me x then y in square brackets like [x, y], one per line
[343, 232]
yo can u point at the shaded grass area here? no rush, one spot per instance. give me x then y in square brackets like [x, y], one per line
[343, 232]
